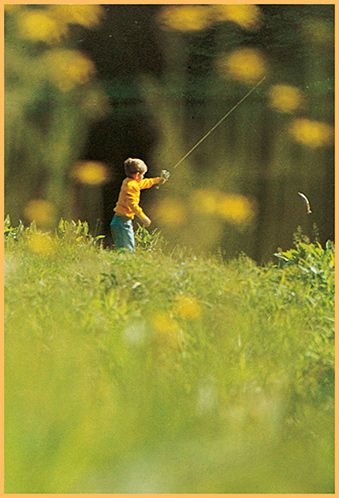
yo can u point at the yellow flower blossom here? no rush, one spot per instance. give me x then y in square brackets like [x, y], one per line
[85, 15]
[38, 25]
[185, 18]
[188, 308]
[171, 212]
[42, 212]
[284, 98]
[167, 330]
[236, 208]
[41, 244]
[247, 65]
[205, 200]
[162, 322]
[246, 16]
[68, 68]
[312, 133]
[91, 172]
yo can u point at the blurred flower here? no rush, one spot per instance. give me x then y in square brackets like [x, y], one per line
[284, 98]
[205, 200]
[42, 212]
[246, 16]
[38, 25]
[236, 208]
[91, 172]
[86, 15]
[168, 332]
[170, 212]
[162, 322]
[312, 133]
[185, 18]
[68, 68]
[247, 65]
[188, 308]
[41, 244]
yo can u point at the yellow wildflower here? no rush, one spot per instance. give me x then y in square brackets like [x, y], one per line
[231, 207]
[68, 68]
[85, 15]
[170, 212]
[284, 98]
[188, 308]
[185, 18]
[38, 25]
[167, 330]
[42, 212]
[205, 200]
[246, 16]
[41, 244]
[247, 65]
[236, 208]
[162, 322]
[311, 133]
[91, 172]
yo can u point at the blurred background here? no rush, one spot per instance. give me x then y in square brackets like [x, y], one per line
[87, 86]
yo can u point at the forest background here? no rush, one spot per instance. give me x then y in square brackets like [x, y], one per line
[87, 86]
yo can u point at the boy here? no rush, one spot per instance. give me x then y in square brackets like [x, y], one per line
[128, 203]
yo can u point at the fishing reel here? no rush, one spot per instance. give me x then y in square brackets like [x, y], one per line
[164, 176]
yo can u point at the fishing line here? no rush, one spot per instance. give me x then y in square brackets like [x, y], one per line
[217, 124]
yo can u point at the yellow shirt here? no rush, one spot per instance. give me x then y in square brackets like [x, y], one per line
[129, 197]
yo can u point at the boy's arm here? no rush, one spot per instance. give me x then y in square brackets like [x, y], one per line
[149, 182]
[133, 202]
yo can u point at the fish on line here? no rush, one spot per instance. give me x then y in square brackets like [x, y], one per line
[309, 211]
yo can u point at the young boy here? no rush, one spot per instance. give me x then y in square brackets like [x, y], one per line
[128, 203]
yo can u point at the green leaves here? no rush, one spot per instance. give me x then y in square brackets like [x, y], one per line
[146, 240]
[313, 263]
[70, 230]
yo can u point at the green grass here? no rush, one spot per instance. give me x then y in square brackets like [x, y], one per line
[160, 372]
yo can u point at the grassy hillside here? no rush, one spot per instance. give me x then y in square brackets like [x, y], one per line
[160, 372]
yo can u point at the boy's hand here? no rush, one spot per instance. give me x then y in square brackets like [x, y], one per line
[164, 175]
[146, 221]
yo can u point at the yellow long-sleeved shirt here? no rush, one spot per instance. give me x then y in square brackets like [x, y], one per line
[129, 197]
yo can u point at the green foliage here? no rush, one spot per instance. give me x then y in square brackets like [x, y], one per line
[314, 263]
[146, 240]
[116, 363]
[76, 232]
[71, 231]
[11, 232]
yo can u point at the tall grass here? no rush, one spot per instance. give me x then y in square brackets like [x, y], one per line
[166, 373]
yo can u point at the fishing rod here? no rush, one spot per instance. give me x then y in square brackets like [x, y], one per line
[166, 174]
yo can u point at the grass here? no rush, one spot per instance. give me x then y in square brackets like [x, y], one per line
[160, 372]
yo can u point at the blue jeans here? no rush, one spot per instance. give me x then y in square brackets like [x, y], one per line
[122, 232]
